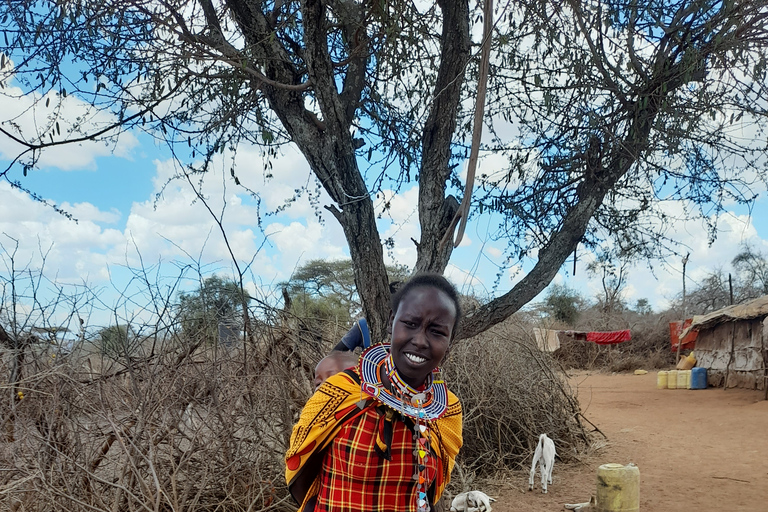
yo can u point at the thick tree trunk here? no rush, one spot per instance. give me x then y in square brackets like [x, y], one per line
[326, 142]
[435, 209]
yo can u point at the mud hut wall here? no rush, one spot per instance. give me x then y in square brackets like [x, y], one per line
[712, 347]
[713, 351]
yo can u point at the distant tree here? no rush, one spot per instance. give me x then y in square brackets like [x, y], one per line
[611, 269]
[751, 267]
[643, 307]
[327, 287]
[713, 292]
[316, 312]
[117, 341]
[217, 302]
[709, 294]
[564, 304]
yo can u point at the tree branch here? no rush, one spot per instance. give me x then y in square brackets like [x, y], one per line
[434, 207]
[320, 68]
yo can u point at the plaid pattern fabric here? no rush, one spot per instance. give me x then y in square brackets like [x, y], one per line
[356, 478]
[337, 403]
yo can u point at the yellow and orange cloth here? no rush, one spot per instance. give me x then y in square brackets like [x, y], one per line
[360, 454]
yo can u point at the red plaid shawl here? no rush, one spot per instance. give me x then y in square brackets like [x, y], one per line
[338, 427]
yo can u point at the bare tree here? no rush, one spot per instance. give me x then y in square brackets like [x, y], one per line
[615, 107]
[751, 266]
[612, 272]
[709, 294]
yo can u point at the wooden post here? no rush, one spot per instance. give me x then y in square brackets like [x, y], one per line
[765, 370]
[574, 258]
[730, 356]
[680, 339]
[730, 289]
[764, 351]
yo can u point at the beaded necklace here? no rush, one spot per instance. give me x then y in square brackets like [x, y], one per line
[373, 364]
[421, 406]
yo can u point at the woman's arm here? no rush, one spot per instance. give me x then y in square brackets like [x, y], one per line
[334, 403]
[303, 481]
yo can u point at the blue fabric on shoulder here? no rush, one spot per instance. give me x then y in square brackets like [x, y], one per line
[357, 336]
[363, 325]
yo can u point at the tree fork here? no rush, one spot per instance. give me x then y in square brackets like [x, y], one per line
[434, 206]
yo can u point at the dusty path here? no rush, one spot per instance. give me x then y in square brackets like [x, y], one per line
[696, 450]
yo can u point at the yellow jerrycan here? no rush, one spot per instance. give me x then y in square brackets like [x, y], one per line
[618, 488]
[661, 380]
[672, 379]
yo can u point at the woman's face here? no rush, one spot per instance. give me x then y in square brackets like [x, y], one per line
[421, 330]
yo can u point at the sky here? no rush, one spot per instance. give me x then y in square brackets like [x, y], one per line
[133, 224]
[128, 217]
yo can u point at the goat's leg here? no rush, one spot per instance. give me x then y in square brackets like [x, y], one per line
[549, 472]
[536, 458]
[543, 469]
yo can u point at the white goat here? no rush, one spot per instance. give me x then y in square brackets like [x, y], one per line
[472, 501]
[545, 456]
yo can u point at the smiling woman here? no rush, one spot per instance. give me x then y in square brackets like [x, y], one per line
[393, 450]
[422, 322]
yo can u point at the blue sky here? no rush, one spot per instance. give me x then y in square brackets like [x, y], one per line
[123, 224]
[119, 217]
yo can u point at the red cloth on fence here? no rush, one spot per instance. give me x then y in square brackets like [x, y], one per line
[609, 338]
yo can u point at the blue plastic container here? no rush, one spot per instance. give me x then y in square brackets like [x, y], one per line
[698, 378]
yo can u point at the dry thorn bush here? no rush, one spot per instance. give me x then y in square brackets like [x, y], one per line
[511, 392]
[181, 423]
[648, 349]
[162, 433]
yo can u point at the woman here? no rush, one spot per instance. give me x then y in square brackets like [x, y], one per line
[384, 436]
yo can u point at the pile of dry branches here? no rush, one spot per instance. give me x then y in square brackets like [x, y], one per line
[201, 427]
[511, 392]
[648, 349]
[173, 431]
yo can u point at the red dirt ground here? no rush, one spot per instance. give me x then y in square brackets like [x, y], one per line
[696, 450]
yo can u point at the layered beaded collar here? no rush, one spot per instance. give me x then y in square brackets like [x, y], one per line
[426, 404]
[421, 405]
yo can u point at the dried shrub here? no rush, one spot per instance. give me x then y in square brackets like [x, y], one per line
[184, 424]
[511, 392]
[649, 347]
[205, 430]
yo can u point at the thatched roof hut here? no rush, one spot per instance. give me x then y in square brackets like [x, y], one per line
[733, 344]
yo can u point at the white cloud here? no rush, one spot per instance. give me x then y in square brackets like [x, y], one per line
[664, 281]
[400, 222]
[298, 242]
[466, 282]
[181, 218]
[495, 252]
[64, 118]
[290, 172]
[74, 250]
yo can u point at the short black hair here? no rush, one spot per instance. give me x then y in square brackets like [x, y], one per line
[429, 280]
